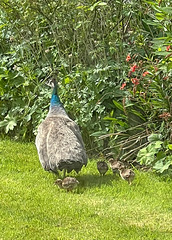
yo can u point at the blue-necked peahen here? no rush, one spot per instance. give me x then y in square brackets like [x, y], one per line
[59, 142]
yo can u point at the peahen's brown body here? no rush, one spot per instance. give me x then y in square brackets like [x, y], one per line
[59, 142]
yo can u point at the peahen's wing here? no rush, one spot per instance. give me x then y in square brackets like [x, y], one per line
[41, 143]
[76, 131]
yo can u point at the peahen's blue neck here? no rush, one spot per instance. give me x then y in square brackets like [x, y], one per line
[56, 106]
[55, 100]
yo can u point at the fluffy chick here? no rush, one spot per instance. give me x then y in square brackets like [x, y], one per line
[127, 174]
[102, 167]
[68, 183]
[115, 165]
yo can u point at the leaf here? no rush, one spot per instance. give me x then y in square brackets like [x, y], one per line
[151, 3]
[3, 123]
[160, 16]
[97, 4]
[170, 146]
[161, 167]
[10, 126]
[167, 10]
[17, 81]
[160, 155]
[67, 80]
[115, 120]
[98, 134]
[118, 105]
[152, 23]
[138, 114]
[154, 137]
[145, 157]
[3, 25]
[158, 144]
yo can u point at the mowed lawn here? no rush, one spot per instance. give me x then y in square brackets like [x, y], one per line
[33, 207]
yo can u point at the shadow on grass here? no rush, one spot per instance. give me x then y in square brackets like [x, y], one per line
[93, 180]
[87, 181]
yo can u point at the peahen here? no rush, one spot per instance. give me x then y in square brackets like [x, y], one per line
[59, 142]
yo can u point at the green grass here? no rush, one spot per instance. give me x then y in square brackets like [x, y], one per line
[32, 207]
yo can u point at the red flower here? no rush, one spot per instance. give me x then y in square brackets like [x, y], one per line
[135, 81]
[165, 115]
[145, 73]
[123, 86]
[168, 48]
[133, 68]
[128, 58]
[155, 68]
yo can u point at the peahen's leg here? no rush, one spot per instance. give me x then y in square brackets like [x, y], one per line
[64, 172]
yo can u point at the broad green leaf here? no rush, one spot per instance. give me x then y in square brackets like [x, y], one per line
[169, 158]
[145, 157]
[160, 155]
[160, 166]
[154, 137]
[167, 10]
[158, 144]
[170, 146]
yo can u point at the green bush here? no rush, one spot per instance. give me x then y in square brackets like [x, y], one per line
[114, 70]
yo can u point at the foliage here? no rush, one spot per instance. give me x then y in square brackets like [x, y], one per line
[33, 207]
[148, 97]
[84, 42]
[114, 66]
[157, 154]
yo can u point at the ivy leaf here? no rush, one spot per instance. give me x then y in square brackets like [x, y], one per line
[154, 137]
[161, 167]
[146, 155]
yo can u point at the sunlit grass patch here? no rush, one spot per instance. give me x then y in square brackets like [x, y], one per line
[33, 207]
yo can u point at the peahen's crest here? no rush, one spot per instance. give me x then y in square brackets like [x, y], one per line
[59, 142]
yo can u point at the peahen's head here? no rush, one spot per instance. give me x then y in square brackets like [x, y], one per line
[56, 106]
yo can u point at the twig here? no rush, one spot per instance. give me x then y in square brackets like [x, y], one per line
[120, 133]
[141, 146]
[135, 142]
